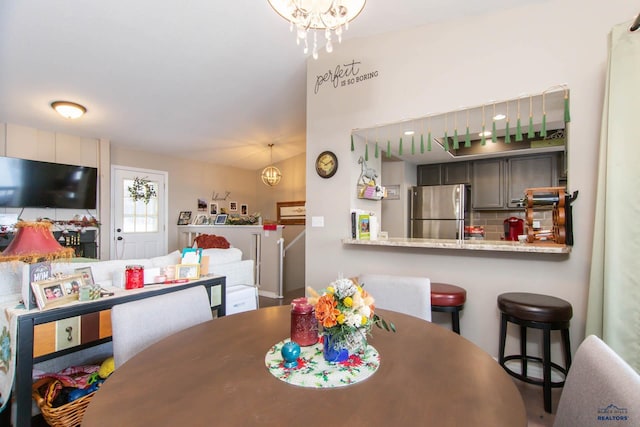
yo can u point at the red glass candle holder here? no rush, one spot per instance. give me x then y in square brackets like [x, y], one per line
[304, 325]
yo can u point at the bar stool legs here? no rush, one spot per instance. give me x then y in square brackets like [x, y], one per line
[539, 312]
[446, 298]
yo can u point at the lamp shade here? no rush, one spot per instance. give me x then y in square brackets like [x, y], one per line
[34, 242]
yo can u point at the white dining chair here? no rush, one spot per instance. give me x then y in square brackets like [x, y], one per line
[600, 389]
[405, 294]
[138, 324]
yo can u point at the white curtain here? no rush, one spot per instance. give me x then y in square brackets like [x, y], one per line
[613, 311]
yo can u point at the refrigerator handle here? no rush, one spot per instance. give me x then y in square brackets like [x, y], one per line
[460, 211]
[411, 212]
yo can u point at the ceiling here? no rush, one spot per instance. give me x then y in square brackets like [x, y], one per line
[547, 107]
[214, 81]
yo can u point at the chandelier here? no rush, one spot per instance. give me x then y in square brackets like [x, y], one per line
[328, 15]
[271, 175]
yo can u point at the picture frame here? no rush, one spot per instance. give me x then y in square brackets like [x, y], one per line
[57, 291]
[201, 219]
[184, 218]
[213, 209]
[393, 192]
[244, 209]
[291, 213]
[221, 219]
[188, 271]
[191, 256]
[87, 276]
[233, 206]
[202, 205]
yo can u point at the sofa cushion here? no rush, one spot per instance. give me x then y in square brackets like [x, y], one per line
[162, 261]
[222, 256]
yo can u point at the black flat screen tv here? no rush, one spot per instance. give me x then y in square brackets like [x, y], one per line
[34, 184]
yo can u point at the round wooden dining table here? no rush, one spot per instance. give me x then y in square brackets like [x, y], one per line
[215, 374]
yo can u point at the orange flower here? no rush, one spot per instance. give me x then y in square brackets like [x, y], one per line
[326, 311]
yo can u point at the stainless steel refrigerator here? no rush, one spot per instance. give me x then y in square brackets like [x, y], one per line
[439, 211]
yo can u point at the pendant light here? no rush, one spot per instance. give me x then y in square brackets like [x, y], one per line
[271, 175]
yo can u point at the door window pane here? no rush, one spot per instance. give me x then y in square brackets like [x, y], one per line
[138, 216]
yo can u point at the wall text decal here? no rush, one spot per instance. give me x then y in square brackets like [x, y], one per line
[343, 75]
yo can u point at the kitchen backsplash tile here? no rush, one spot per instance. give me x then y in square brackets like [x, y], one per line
[493, 221]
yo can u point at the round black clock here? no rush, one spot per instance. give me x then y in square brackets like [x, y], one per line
[326, 164]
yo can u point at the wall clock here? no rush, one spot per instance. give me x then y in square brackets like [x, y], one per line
[326, 164]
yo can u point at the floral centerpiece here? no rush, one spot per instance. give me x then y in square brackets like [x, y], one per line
[347, 313]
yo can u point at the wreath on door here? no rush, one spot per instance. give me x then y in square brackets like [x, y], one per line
[142, 189]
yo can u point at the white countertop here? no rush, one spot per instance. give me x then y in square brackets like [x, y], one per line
[471, 245]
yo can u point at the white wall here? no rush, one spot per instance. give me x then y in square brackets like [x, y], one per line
[190, 180]
[291, 187]
[439, 68]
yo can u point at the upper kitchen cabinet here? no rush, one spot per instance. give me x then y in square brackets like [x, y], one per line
[444, 174]
[456, 173]
[497, 182]
[430, 174]
[530, 172]
[487, 188]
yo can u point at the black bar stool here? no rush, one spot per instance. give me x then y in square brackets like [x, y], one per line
[448, 299]
[540, 312]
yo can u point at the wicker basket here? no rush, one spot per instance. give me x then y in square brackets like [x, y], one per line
[67, 415]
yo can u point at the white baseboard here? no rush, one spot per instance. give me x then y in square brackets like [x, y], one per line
[269, 294]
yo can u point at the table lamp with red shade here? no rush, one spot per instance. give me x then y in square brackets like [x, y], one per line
[34, 244]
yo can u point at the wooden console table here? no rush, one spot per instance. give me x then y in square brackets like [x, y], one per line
[26, 323]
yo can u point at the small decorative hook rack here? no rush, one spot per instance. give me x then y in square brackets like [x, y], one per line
[216, 196]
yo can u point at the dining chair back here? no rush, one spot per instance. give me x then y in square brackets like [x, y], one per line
[138, 324]
[601, 388]
[405, 294]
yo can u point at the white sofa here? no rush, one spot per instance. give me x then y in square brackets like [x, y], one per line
[241, 295]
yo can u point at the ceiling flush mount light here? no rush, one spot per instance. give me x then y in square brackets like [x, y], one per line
[328, 15]
[271, 175]
[69, 110]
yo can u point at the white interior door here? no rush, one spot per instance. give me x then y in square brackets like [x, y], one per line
[139, 228]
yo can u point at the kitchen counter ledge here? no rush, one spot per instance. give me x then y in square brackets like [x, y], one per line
[470, 245]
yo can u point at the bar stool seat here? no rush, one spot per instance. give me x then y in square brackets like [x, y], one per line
[449, 299]
[537, 311]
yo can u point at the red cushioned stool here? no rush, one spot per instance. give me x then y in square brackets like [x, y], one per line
[540, 312]
[448, 299]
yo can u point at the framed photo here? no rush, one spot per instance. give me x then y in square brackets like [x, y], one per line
[202, 205]
[87, 276]
[244, 209]
[213, 208]
[191, 256]
[233, 206]
[291, 213]
[201, 219]
[188, 271]
[184, 218]
[58, 291]
[393, 192]
[221, 219]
